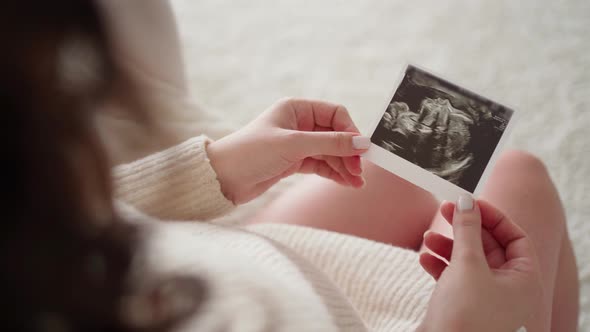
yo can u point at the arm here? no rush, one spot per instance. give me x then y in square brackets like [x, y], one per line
[292, 136]
[177, 183]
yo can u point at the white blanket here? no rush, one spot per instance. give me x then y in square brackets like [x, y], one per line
[529, 54]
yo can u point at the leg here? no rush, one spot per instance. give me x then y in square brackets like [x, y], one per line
[388, 209]
[566, 304]
[521, 187]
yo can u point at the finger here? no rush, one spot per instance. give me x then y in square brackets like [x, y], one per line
[447, 209]
[433, 265]
[467, 231]
[439, 244]
[493, 251]
[443, 246]
[338, 165]
[321, 168]
[353, 165]
[320, 128]
[336, 143]
[341, 120]
[495, 254]
[323, 114]
[508, 234]
[502, 230]
[356, 160]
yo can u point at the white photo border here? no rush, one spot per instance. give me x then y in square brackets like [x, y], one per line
[440, 187]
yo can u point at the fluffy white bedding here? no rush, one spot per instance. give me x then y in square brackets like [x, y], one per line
[529, 54]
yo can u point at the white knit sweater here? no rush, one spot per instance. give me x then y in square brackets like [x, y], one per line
[267, 277]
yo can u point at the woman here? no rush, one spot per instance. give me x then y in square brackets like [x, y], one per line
[72, 260]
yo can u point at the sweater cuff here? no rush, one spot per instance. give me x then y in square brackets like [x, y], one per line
[175, 184]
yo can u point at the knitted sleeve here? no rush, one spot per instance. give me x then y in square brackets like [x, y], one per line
[175, 184]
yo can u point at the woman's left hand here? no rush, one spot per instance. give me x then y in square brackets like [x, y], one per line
[292, 136]
[492, 280]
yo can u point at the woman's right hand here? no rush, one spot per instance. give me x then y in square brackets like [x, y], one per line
[492, 280]
[291, 136]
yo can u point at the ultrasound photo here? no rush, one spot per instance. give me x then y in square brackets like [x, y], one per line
[442, 128]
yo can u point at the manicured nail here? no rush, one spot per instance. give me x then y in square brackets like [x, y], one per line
[465, 203]
[361, 142]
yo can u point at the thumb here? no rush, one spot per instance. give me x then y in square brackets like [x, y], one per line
[467, 230]
[330, 143]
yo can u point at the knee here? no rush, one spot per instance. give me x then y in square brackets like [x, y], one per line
[529, 173]
[518, 160]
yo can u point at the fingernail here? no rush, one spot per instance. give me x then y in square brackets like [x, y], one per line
[465, 203]
[426, 233]
[361, 142]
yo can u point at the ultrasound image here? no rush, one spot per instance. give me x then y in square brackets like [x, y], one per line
[442, 128]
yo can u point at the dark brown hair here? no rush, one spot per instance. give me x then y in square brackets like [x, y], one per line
[65, 255]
